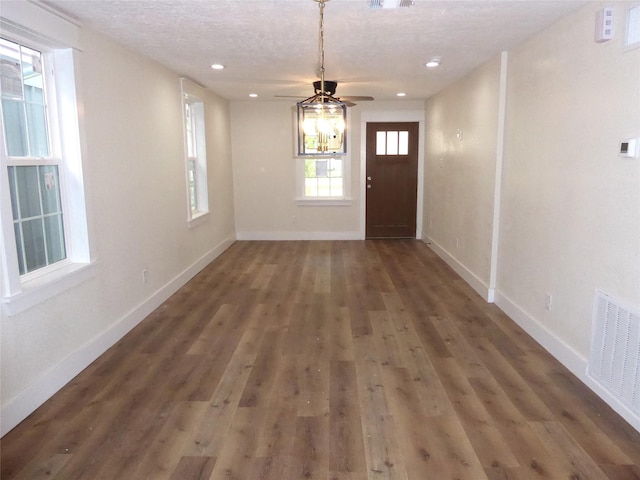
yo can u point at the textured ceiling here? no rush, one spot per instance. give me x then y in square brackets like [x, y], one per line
[270, 47]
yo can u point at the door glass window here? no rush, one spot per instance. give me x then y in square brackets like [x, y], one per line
[392, 142]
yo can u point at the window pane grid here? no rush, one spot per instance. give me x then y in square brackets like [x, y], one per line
[38, 217]
[392, 143]
[24, 107]
[193, 183]
[323, 177]
[194, 130]
[190, 131]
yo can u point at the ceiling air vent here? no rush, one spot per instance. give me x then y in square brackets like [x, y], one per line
[390, 3]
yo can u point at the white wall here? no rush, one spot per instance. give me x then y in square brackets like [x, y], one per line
[569, 209]
[460, 171]
[264, 164]
[131, 127]
[264, 167]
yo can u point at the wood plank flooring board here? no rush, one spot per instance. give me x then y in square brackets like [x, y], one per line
[102, 424]
[463, 352]
[416, 446]
[278, 434]
[432, 342]
[193, 468]
[239, 446]
[45, 467]
[164, 452]
[311, 452]
[208, 439]
[487, 441]
[346, 449]
[269, 468]
[347, 360]
[567, 452]
[622, 472]
[526, 446]
[313, 374]
[610, 423]
[339, 337]
[382, 450]
[379, 431]
[358, 314]
[430, 390]
[385, 339]
[519, 391]
[564, 406]
[263, 372]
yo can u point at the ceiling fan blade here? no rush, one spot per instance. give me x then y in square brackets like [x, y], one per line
[356, 98]
[289, 96]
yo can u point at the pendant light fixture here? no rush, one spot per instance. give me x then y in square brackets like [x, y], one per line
[322, 118]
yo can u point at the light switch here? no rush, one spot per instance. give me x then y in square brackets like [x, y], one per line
[629, 147]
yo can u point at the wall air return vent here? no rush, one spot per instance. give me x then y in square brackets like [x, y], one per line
[614, 360]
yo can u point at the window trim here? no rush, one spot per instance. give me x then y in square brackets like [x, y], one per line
[300, 199]
[303, 200]
[194, 95]
[20, 293]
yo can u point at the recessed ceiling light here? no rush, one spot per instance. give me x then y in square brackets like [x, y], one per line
[217, 66]
[401, 94]
[434, 62]
[253, 95]
[374, 4]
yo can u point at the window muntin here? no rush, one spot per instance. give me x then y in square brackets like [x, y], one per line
[33, 172]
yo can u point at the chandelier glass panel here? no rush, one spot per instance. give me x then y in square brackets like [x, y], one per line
[322, 118]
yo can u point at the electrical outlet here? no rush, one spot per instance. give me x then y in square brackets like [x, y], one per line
[548, 299]
[145, 275]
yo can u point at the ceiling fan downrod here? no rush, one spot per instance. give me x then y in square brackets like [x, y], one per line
[321, 4]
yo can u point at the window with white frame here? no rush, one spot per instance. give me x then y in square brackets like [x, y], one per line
[32, 170]
[43, 222]
[195, 151]
[324, 177]
[323, 181]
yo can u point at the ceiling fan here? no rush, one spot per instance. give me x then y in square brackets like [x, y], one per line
[325, 90]
[330, 87]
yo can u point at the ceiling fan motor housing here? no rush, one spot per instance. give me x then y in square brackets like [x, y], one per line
[329, 87]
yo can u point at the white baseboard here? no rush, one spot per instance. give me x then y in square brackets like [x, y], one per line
[557, 347]
[22, 405]
[468, 276]
[564, 353]
[299, 236]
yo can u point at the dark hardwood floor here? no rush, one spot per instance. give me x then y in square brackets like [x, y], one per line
[324, 360]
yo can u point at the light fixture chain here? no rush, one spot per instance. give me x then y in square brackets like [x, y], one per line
[321, 4]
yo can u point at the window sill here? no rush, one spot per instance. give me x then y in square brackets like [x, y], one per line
[47, 286]
[324, 202]
[197, 219]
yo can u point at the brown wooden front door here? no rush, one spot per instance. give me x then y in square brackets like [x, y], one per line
[392, 179]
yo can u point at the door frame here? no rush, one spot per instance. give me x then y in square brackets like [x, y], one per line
[391, 116]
